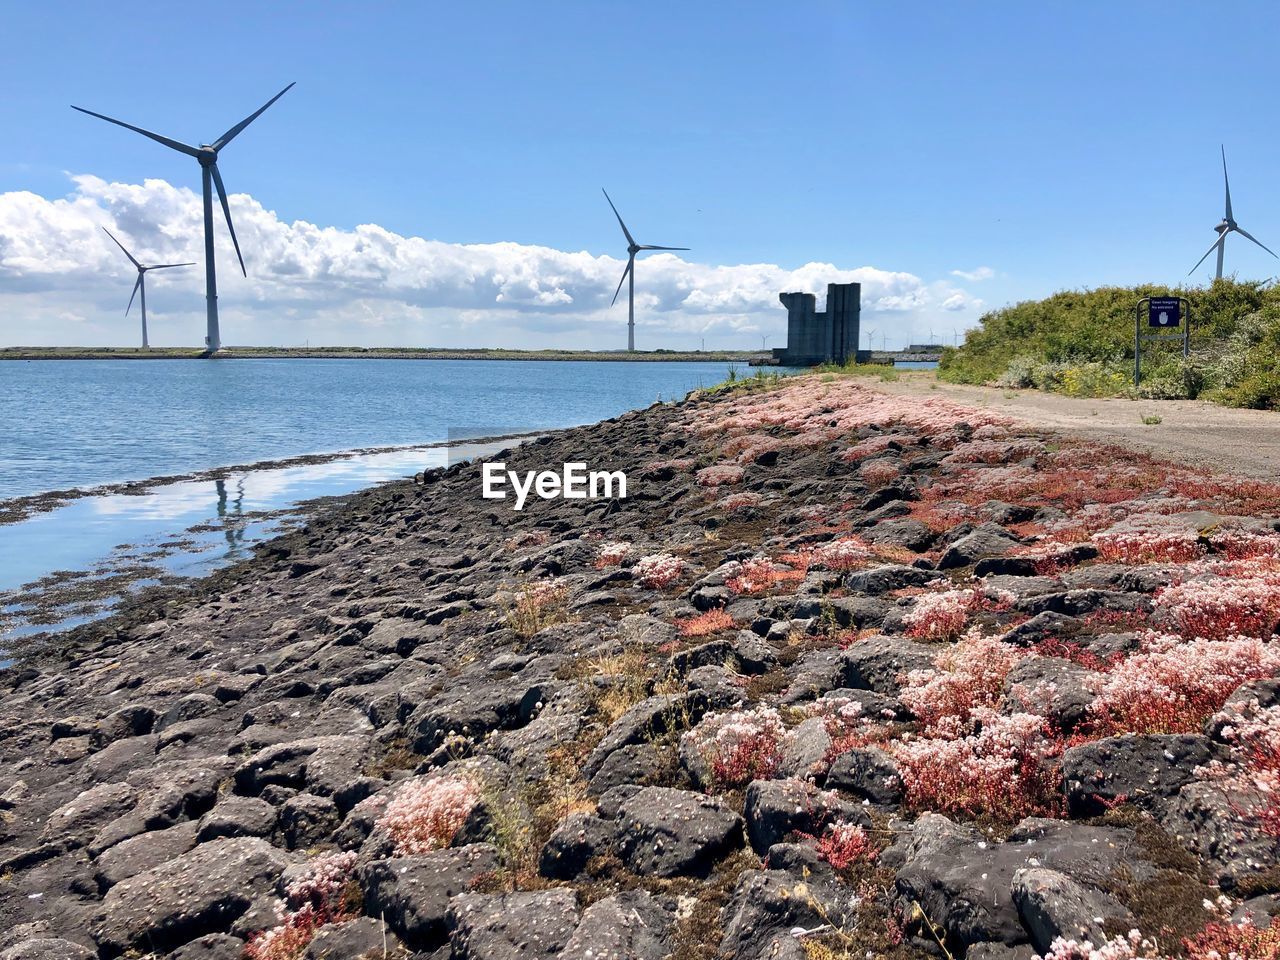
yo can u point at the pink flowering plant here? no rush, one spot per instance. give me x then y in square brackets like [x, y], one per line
[611, 553]
[739, 746]
[1173, 686]
[966, 677]
[427, 813]
[324, 894]
[658, 570]
[719, 475]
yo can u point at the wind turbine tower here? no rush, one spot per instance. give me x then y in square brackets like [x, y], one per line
[207, 156]
[1227, 225]
[632, 249]
[141, 285]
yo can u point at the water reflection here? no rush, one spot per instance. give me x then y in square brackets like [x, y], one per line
[76, 562]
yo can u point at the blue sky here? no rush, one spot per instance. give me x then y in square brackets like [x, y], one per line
[1060, 145]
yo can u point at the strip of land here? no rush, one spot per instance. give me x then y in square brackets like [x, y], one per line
[374, 353]
[891, 671]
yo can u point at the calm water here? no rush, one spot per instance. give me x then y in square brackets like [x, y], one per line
[75, 423]
[67, 424]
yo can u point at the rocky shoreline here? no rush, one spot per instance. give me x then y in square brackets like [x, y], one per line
[845, 675]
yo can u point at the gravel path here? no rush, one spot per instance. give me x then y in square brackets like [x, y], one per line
[1246, 442]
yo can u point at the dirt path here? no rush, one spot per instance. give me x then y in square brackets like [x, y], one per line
[1245, 442]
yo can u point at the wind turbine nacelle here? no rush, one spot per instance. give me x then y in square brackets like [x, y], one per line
[208, 156]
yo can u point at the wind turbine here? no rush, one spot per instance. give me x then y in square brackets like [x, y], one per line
[142, 282]
[207, 156]
[1228, 225]
[632, 249]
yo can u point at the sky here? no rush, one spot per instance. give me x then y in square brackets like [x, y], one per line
[434, 179]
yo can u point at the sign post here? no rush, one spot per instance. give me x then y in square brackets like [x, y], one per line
[1163, 314]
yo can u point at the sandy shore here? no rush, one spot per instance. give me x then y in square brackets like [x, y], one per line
[870, 666]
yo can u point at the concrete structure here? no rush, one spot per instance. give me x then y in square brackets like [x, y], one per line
[827, 337]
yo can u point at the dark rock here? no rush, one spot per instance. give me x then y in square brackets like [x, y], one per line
[47, 948]
[804, 749]
[1046, 624]
[320, 764]
[508, 926]
[1053, 905]
[963, 882]
[635, 763]
[986, 540]
[1144, 769]
[877, 663]
[775, 809]
[213, 946]
[1052, 687]
[666, 833]
[884, 579]
[648, 719]
[626, 926]
[1077, 603]
[200, 892]
[307, 820]
[1226, 838]
[769, 902]
[362, 937]
[578, 839]
[868, 774]
[143, 852]
[236, 816]
[412, 893]
[906, 532]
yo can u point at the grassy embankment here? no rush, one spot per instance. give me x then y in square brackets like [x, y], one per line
[1081, 343]
[376, 353]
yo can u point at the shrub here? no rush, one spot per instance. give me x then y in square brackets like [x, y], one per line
[1173, 686]
[321, 895]
[738, 747]
[740, 501]
[965, 678]
[538, 606]
[720, 475]
[943, 616]
[611, 554]
[758, 575]
[659, 570]
[1001, 770]
[880, 471]
[1244, 605]
[844, 844]
[846, 553]
[1253, 774]
[426, 814]
[713, 621]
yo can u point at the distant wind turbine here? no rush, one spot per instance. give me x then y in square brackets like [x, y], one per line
[1228, 225]
[141, 285]
[207, 156]
[632, 249]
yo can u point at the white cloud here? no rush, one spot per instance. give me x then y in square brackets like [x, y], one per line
[62, 281]
[981, 273]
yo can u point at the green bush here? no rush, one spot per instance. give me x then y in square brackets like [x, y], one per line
[1081, 342]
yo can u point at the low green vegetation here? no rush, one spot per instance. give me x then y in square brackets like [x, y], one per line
[1081, 343]
[885, 371]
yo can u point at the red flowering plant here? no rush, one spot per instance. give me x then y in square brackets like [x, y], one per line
[322, 895]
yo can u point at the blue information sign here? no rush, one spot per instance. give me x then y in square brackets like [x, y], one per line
[1164, 313]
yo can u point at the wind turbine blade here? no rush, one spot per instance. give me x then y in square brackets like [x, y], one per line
[1248, 236]
[234, 132]
[166, 266]
[647, 247]
[173, 144]
[627, 269]
[222, 195]
[625, 232]
[134, 294]
[126, 252]
[1221, 238]
[1226, 183]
